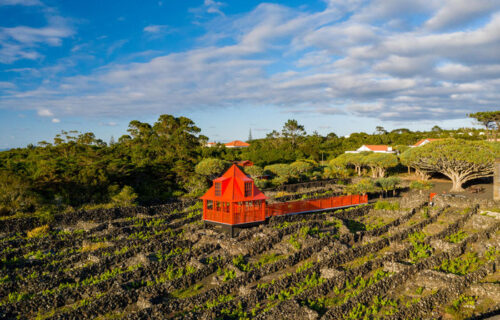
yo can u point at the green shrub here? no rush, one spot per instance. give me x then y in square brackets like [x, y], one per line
[125, 198]
[38, 232]
[386, 205]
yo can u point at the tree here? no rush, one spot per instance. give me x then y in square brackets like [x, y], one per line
[292, 130]
[211, 168]
[387, 184]
[380, 130]
[254, 171]
[302, 167]
[125, 198]
[421, 185]
[362, 187]
[379, 163]
[459, 160]
[436, 128]
[283, 172]
[490, 120]
[333, 172]
[250, 136]
[349, 159]
[408, 158]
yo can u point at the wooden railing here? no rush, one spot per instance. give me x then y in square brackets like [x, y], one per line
[278, 209]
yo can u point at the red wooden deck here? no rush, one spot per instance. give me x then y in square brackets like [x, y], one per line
[278, 209]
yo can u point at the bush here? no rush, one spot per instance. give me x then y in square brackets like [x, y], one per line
[211, 168]
[38, 232]
[421, 185]
[125, 198]
[386, 205]
[254, 171]
[363, 187]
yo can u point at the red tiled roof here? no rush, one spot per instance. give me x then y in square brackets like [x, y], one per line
[423, 140]
[237, 143]
[375, 147]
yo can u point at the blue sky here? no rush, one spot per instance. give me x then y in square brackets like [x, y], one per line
[335, 66]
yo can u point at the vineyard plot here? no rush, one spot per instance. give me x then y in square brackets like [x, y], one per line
[345, 264]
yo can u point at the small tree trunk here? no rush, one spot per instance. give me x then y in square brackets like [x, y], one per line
[381, 172]
[457, 184]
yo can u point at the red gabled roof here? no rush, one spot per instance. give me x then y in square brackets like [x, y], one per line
[377, 147]
[423, 140]
[237, 143]
[233, 184]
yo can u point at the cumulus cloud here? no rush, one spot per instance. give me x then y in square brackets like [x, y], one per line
[55, 120]
[353, 57]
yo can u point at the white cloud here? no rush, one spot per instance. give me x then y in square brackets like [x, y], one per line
[155, 28]
[56, 120]
[327, 62]
[45, 113]
[456, 13]
[20, 3]
[6, 85]
[22, 42]
[213, 6]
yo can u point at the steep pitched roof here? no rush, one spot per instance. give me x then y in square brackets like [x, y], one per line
[424, 141]
[232, 187]
[237, 143]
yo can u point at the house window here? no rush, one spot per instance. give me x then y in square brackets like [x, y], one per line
[218, 189]
[210, 204]
[248, 189]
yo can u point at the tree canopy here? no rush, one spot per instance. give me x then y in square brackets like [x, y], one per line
[490, 120]
[459, 160]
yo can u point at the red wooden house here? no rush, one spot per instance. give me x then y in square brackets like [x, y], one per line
[234, 200]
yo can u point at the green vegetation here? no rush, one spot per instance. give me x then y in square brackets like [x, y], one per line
[421, 185]
[461, 161]
[462, 301]
[456, 237]
[38, 232]
[461, 265]
[490, 120]
[294, 242]
[154, 162]
[188, 292]
[310, 281]
[421, 250]
[386, 205]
